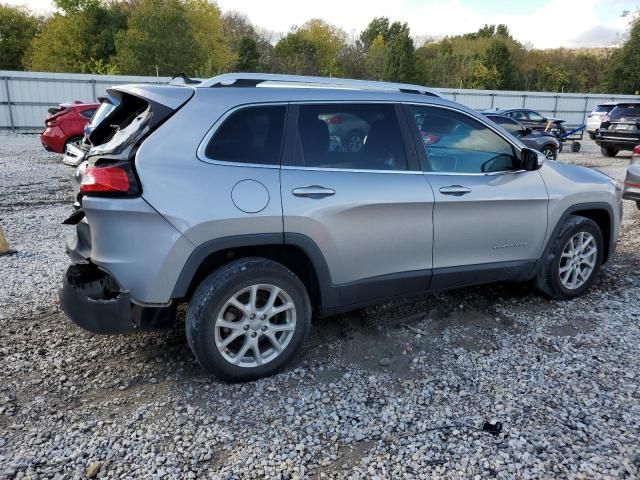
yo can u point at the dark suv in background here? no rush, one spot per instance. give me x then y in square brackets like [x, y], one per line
[619, 129]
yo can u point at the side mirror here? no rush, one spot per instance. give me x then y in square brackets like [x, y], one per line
[527, 130]
[530, 160]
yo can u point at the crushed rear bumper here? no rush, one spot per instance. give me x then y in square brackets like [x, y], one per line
[93, 301]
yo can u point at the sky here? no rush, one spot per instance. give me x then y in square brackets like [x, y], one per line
[538, 23]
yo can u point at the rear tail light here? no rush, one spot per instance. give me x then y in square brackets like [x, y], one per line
[636, 150]
[632, 184]
[112, 180]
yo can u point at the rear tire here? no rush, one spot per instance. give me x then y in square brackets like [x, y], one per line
[571, 263]
[575, 147]
[232, 326]
[608, 152]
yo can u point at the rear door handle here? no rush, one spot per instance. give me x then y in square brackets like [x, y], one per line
[456, 190]
[314, 191]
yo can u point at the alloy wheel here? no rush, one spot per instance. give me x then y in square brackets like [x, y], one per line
[255, 325]
[578, 260]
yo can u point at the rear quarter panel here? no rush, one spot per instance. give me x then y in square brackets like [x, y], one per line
[194, 195]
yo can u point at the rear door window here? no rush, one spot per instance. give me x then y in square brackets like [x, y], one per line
[350, 136]
[250, 135]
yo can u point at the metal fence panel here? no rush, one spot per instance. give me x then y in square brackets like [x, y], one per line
[30, 94]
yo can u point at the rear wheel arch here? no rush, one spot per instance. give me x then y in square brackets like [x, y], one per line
[299, 254]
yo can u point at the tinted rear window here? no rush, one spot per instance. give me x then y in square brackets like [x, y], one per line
[350, 136]
[88, 113]
[249, 135]
[629, 110]
[603, 108]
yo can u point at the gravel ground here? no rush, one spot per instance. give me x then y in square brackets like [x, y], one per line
[400, 390]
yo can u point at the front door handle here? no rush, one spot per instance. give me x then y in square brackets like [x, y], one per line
[314, 191]
[456, 190]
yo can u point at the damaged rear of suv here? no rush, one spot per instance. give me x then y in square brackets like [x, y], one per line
[247, 198]
[115, 225]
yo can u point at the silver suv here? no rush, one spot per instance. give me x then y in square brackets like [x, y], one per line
[232, 197]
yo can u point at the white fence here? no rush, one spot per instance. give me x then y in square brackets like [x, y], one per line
[25, 97]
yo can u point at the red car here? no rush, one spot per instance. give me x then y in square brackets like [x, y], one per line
[65, 124]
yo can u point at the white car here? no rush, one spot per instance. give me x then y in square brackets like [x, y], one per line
[595, 117]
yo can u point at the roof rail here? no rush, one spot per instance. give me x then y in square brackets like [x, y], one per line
[301, 81]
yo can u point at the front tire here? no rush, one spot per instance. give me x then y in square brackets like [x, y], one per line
[248, 319]
[608, 152]
[550, 152]
[571, 264]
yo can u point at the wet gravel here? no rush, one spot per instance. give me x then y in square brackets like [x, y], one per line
[485, 382]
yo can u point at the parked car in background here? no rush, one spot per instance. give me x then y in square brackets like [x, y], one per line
[347, 133]
[631, 189]
[594, 119]
[619, 129]
[76, 151]
[255, 229]
[65, 125]
[526, 117]
[544, 142]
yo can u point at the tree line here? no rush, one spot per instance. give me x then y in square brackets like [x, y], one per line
[194, 37]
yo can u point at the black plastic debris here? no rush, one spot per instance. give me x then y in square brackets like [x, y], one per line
[492, 428]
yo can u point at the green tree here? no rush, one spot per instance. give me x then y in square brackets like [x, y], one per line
[400, 65]
[377, 27]
[79, 39]
[313, 48]
[329, 42]
[623, 74]
[377, 58]
[248, 56]
[159, 36]
[351, 60]
[241, 37]
[296, 54]
[205, 22]
[498, 59]
[18, 27]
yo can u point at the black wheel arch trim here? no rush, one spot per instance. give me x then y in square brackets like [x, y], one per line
[577, 208]
[329, 296]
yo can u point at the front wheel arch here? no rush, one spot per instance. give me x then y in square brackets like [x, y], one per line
[599, 212]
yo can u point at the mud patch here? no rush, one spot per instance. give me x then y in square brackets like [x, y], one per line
[572, 329]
